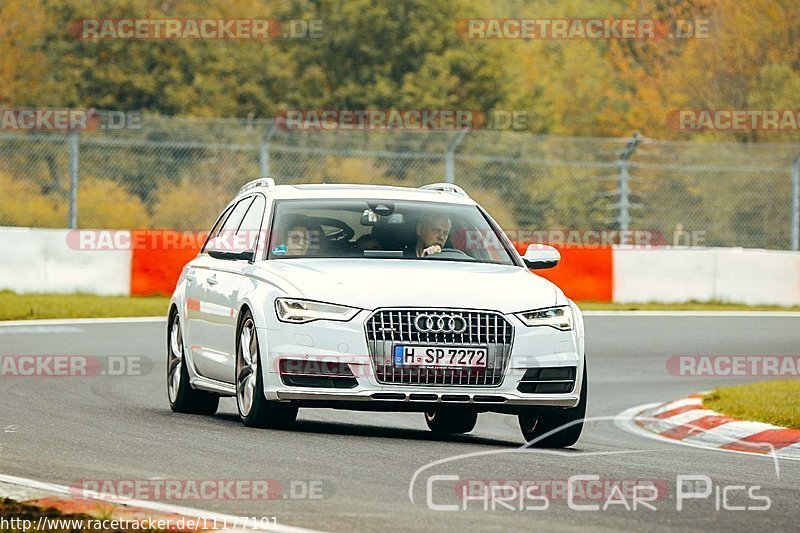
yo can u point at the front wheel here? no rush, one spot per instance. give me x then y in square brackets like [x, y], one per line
[451, 420]
[537, 422]
[254, 409]
[182, 397]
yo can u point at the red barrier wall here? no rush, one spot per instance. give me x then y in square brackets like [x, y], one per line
[583, 273]
[155, 266]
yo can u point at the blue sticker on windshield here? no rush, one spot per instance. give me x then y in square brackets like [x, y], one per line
[280, 250]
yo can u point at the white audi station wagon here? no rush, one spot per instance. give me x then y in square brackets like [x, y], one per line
[374, 298]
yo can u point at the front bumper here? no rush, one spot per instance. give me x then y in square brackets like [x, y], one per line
[346, 343]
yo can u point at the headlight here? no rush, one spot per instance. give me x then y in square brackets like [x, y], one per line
[555, 317]
[300, 311]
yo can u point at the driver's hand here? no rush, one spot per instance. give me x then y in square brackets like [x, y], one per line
[430, 250]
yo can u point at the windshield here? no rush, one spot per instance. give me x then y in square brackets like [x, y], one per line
[385, 229]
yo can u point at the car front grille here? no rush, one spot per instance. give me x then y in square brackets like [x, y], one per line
[387, 328]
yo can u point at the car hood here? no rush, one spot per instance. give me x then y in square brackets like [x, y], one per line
[373, 283]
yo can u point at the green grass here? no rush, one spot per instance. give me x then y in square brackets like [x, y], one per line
[774, 402]
[688, 306]
[32, 306]
[29, 306]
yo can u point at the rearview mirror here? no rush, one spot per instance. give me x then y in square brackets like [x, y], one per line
[539, 256]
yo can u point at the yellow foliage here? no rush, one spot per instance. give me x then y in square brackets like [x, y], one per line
[24, 205]
[108, 205]
[188, 205]
[354, 170]
[21, 68]
[496, 207]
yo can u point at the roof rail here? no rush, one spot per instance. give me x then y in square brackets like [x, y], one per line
[446, 187]
[260, 182]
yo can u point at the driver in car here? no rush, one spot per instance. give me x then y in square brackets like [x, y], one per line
[298, 238]
[301, 236]
[432, 233]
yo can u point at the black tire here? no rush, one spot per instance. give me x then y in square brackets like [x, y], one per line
[537, 422]
[451, 420]
[260, 413]
[182, 397]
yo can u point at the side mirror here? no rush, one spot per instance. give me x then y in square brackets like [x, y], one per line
[539, 256]
[226, 246]
[247, 255]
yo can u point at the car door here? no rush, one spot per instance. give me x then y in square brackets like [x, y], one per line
[222, 293]
[195, 293]
[207, 338]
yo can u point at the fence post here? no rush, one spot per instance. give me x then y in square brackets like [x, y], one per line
[264, 149]
[74, 155]
[796, 204]
[450, 157]
[623, 189]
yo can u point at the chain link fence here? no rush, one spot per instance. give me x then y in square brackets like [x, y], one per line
[179, 172]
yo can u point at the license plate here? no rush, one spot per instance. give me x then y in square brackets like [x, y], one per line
[455, 356]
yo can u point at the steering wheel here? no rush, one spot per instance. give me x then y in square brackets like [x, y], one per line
[343, 232]
[450, 253]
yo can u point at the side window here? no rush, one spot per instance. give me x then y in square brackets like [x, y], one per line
[217, 228]
[222, 233]
[247, 236]
[251, 222]
[233, 222]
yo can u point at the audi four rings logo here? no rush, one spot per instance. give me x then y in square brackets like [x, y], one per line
[440, 323]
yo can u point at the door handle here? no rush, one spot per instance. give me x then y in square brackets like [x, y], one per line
[212, 280]
[190, 277]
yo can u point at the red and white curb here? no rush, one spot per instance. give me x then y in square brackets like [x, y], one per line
[687, 421]
[50, 496]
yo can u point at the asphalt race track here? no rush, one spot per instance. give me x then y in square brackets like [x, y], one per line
[64, 429]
